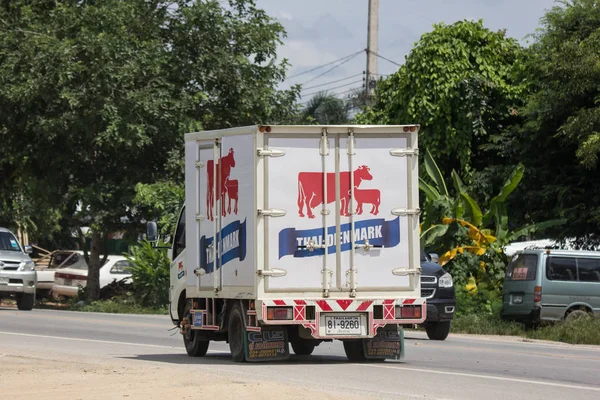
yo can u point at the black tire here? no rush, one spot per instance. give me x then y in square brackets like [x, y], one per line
[25, 301]
[236, 332]
[576, 314]
[303, 347]
[194, 346]
[438, 330]
[354, 350]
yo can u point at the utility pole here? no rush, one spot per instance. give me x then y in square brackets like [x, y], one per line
[372, 49]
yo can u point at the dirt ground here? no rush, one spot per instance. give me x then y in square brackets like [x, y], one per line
[35, 376]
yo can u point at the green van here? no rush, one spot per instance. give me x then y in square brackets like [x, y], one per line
[551, 285]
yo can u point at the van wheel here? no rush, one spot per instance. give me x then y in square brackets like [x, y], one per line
[25, 301]
[354, 350]
[236, 331]
[194, 345]
[438, 330]
[302, 347]
[576, 314]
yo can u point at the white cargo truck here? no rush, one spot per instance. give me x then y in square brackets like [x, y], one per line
[298, 235]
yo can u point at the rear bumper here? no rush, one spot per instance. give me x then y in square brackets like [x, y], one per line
[440, 310]
[18, 282]
[533, 316]
[375, 314]
[68, 291]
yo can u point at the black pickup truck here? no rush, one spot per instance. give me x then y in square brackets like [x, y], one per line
[437, 287]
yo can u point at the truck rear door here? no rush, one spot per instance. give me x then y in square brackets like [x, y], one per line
[350, 197]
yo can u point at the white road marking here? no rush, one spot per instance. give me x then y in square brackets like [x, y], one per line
[428, 371]
[497, 378]
[99, 341]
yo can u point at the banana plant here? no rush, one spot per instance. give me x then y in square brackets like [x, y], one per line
[457, 220]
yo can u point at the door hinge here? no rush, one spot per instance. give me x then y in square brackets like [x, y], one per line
[273, 212]
[199, 164]
[404, 152]
[403, 211]
[200, 217]
[270, 152]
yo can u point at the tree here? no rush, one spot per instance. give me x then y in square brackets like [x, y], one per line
[95, 96]
[559, 140]
[459, 84]
[325, 109]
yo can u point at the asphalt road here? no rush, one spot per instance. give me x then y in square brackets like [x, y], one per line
[461, 367]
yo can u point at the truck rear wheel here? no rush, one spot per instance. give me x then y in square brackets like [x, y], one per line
[438, 330]
[25, 301]
[302, 347]
[354, 350]
[236, 331]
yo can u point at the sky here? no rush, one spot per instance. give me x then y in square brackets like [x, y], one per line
[323, 31]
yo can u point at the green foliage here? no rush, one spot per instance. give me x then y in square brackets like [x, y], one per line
[95, 97]
[558, 140]
[469, 240]
[118, 305]
[161, 201]
[459, 82]
[325, 109]
[150, 274]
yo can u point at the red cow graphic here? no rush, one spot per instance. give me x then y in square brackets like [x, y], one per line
[367, 196]
[310, 189]
[223, 172]
[232, 193]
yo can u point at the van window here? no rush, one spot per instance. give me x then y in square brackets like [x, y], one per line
[562, 269]
[589, 269]
[522, 267]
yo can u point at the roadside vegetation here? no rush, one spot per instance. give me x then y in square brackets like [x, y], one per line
[92, 133]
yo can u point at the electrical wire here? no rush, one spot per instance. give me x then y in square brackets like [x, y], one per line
[387, 59]
[333, 88]
[332, 68]
[329, 83]
[324, 65]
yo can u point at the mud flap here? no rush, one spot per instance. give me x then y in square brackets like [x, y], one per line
[268, 345]
[387, 344]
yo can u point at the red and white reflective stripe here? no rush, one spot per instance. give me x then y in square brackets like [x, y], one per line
[341, 305]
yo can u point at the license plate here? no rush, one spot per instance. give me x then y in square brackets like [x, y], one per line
[518, 299]
[68, 282]
[3, 279]
[343, 325]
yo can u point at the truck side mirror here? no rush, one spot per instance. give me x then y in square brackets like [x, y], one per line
[434, 258]
[28, 249]
[151, 231]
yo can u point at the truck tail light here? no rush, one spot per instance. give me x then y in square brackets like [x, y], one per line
[537, 294]
[408, 312]
[279, 313]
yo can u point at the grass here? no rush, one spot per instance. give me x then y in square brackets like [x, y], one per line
[580, 331]
[113, 306]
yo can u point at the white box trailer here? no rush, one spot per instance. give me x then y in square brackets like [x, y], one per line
[298, 234]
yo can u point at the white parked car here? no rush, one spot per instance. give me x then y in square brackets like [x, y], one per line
[57, 260]
[68, 280]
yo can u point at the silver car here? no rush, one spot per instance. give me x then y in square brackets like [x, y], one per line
[17, 272]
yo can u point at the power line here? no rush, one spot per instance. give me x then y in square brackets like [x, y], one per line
[324, 65]
[329, 83]
[337, 94]
[387, 59]
[333, 88]
[334, 67]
